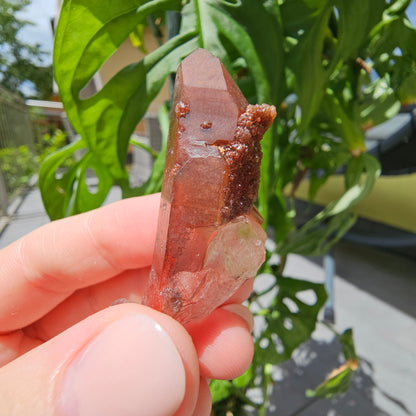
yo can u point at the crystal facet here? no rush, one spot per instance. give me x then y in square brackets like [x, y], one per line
[209, 238]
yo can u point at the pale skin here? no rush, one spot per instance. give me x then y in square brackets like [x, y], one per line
[65, 351]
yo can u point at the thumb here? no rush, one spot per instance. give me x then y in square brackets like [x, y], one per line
[125, 360]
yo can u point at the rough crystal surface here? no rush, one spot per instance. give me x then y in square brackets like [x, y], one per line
[210, 238]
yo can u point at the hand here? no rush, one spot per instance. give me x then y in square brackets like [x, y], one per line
[63, 351]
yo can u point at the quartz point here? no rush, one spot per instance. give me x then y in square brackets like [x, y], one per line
[209, 238]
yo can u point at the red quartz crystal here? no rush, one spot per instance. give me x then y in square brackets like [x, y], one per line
[209, 238]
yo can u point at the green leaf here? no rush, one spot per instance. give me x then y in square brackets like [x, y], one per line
[345, 124]
[244, 379]
[83, 198]
[379, 102]
[326, 157]
[280, 217]
[355, 21]
[87, 34]
[66, 192]
[347, 341]
[334, 385]
[288, 328]
[317, 240]
[243, 25]
[407, 90]
[154, 183]
[267, 174]
[220, 389]
[318, 235]
[398, 7]
[306, 63]
[338, 380]
[392, 48]
[353, 172]
[315, 4]
[145, 147]
[110, 116]
[55, 190]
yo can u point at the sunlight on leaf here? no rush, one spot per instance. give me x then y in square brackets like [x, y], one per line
[302, 318]
[339, 379]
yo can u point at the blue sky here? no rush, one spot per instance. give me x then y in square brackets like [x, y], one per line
[411, 11]
[40, 13]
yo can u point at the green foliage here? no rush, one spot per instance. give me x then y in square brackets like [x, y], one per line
[289, 320]
[338, 381]
[17, 164]
[321, 232]
[21, 62]
[332, 68]
[50, 143]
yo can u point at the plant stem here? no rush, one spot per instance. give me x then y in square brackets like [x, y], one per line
[283, 260]
[148, 149]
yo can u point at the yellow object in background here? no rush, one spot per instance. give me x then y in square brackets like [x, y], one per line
[391, 202]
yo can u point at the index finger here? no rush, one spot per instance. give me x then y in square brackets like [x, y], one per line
[43, 268]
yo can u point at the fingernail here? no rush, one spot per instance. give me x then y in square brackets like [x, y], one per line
[242, 312]
[131, 368]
